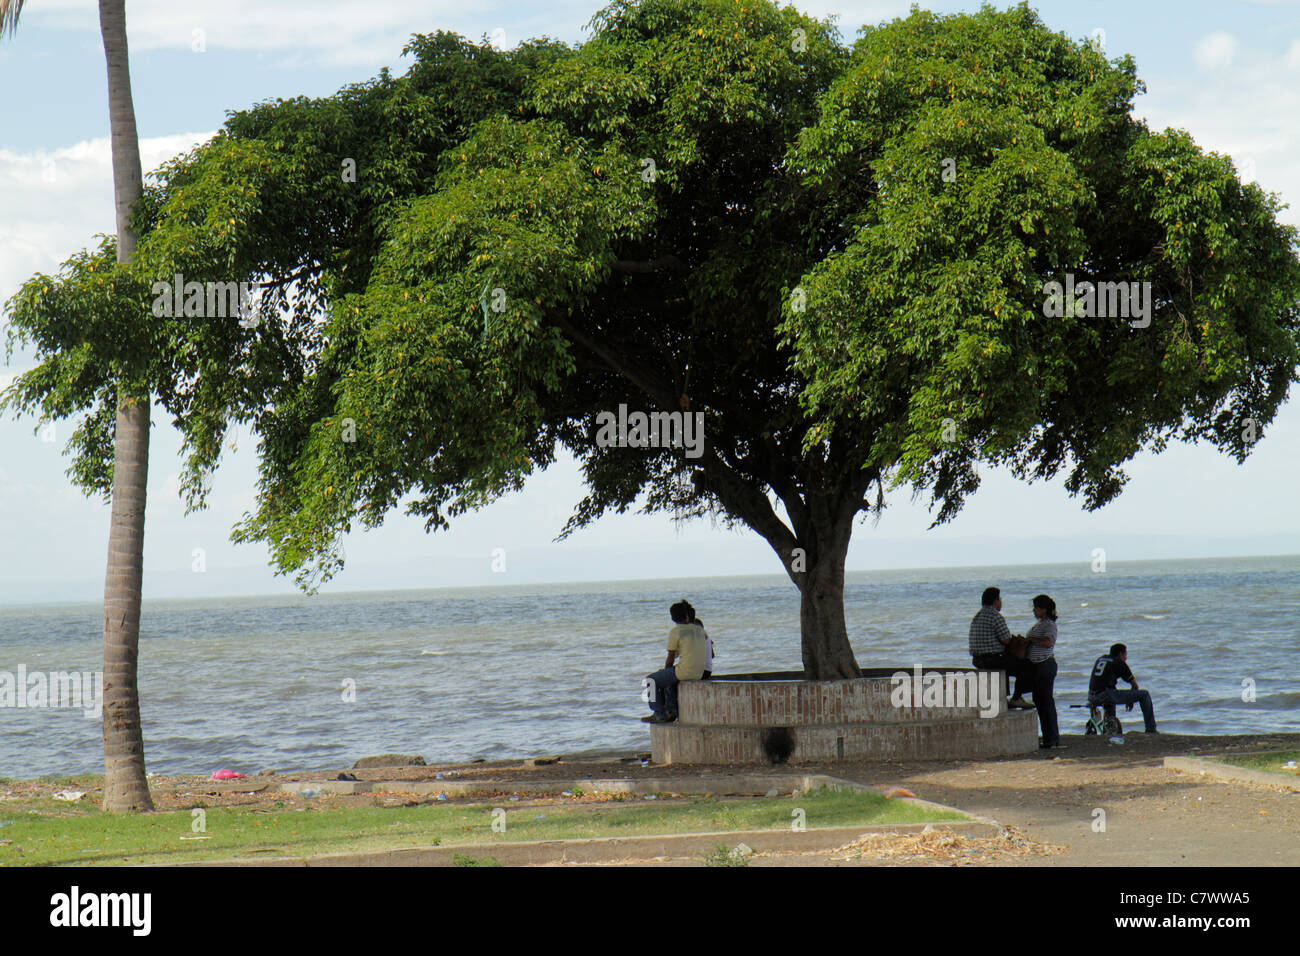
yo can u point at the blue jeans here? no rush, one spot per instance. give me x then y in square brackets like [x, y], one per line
[1044, 681]
[664, 703]
[1140, 697]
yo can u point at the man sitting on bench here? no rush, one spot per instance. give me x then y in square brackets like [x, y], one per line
[989, 636]
[1107, 671]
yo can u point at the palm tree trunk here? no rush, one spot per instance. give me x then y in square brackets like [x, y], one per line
[125, 786]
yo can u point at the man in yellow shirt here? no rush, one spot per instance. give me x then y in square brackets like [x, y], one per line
[688, 646]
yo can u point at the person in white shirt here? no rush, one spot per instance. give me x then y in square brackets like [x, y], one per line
[708, 654]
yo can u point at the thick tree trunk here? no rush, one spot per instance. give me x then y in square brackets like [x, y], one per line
[827, 654]
[125, 786]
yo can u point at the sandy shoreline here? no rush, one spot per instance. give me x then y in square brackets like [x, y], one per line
[612, 762]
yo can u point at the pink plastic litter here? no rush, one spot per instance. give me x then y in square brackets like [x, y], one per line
[226, 775]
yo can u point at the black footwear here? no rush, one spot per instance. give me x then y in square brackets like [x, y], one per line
[648, 720]
[671, 719]
[346, 776]
[1020, 703]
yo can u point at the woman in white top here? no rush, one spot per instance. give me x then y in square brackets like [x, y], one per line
[1042, 645]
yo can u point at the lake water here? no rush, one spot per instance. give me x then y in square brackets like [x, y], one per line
[452, 674]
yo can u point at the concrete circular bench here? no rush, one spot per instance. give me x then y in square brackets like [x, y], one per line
[779, 717]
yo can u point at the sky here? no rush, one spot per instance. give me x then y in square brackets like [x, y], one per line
[1228, 72]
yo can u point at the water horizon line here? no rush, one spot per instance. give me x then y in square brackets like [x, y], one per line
[543, 583]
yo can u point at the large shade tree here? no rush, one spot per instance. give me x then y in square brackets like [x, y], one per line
[841, 257]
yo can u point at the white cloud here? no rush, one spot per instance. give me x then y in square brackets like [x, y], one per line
[1293, 55]
[1248, 114]
[43, 175]
[53, 201]
[853, 14]
[332, 31]
[1216, 51]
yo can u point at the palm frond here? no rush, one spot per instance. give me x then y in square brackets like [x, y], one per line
[9, 11]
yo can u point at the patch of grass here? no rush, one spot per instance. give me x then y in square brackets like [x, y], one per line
[723, 855]
[85, 781]
[41, 834]
[1274, 762]
[459, 859]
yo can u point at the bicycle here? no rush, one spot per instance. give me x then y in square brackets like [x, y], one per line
[1101, 720]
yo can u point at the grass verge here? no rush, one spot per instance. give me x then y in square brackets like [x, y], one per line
[80, 834]
[1274, 762]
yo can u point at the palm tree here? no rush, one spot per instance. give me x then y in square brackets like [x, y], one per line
[125, 786]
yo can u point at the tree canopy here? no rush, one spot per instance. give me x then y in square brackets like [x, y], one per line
[842, 256]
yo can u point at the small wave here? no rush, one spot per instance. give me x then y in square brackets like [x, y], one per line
[1154, 617]
[1284, 701]
[437, 653]
[1229, 703]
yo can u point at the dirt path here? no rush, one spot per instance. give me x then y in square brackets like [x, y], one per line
[1153, 816]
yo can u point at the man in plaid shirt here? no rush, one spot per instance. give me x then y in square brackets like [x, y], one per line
[988, 639]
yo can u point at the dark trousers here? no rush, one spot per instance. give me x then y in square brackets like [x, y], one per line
[1044, 681]
[1020, 669]
[664, 703]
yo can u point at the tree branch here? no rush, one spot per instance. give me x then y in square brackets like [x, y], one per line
[748, 504]
[301, 273]
[661, 392]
